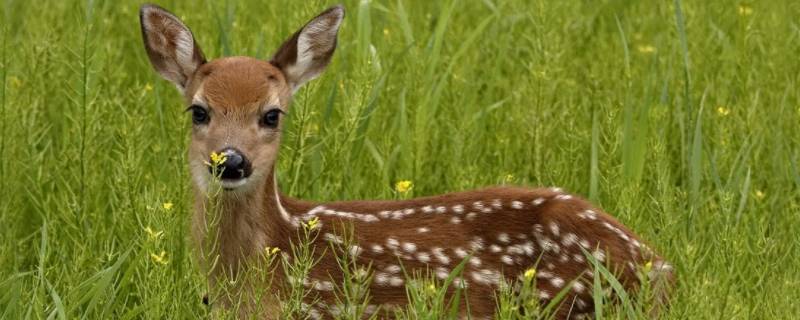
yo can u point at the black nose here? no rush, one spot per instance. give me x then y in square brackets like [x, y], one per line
[235, 166]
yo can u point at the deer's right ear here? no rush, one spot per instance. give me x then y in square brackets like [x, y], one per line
[170, 45]
[306, 54]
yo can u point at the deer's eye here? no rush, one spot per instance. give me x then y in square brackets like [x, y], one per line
[271, 118]
[199, 115]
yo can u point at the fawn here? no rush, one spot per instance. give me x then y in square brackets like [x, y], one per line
[237, 106]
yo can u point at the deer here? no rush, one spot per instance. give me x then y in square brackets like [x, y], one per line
[238, 107]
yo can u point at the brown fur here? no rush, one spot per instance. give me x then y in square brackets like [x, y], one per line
[523, 223]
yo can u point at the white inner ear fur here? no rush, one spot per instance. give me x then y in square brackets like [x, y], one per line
[323, 34]
[184, 45]
[182, 65]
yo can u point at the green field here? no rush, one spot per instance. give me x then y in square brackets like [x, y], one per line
[680, 118]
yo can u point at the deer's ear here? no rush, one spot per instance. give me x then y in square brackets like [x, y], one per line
[306, 54]
[170, 45]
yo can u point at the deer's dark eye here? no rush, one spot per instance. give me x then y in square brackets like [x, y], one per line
[199, 115]
[271, 118]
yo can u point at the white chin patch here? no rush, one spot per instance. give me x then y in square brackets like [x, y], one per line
[232, 184]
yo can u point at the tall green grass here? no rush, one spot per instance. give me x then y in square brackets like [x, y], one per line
[680, 118]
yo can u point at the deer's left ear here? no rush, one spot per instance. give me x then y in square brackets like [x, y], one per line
[306, 54]
[170, 45]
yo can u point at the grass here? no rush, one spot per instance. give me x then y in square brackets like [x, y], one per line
[680, 118]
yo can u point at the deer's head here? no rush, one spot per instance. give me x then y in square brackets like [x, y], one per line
[237, 104]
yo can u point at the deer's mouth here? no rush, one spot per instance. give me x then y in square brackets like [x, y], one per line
[232, 184]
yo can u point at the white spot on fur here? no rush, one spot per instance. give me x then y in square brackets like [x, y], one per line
[599, 255]
[544, 295]
[554, 228]
[538, 201]
[423, 229]
[507, 259]
[442, 273]
[392, 243]
[563, 197]
[377, 248]
[476, 244]
[458, 208]
[455, 220]
[409, 247]
[381, 278]
[486, 276]
[516, 204]
[503, 237]
[393, 268]
[475, 261]
[438, 253]
[460, 252]
[355, 250]
[569, 239]
[332, 238]
[395, 281]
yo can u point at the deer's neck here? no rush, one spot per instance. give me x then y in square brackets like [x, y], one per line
[243, 225]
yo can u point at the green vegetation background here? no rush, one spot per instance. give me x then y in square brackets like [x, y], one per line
[678, 117]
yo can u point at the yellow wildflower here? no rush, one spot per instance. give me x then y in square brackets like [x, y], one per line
[431, 288]
[312, 224]
[385, 32]
[271, 250]
[403, 186]
[153, 235]
[760, 195]
[745, 9]
[509, 178]
[646, 48]
[722, 111]
[167, 206]
[148, 87]
[159, 258]
[15, 82]
[217, 159]
[648, 266]
[529, 274]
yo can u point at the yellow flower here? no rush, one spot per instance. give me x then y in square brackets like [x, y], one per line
[646, 48]
[312, 224]
[385, 32]
[271, 250]
[217, 159]
[153, 235]
[431, 288]
[648, 266]
[760, 195]
[722, 111]
[15, 82]
[745, 9]
[159, 258]
[148, 87]
[403, 186]
[529, 274]
[509, 178]
[167, 206]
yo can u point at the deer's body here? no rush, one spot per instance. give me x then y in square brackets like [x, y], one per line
[499, 232]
